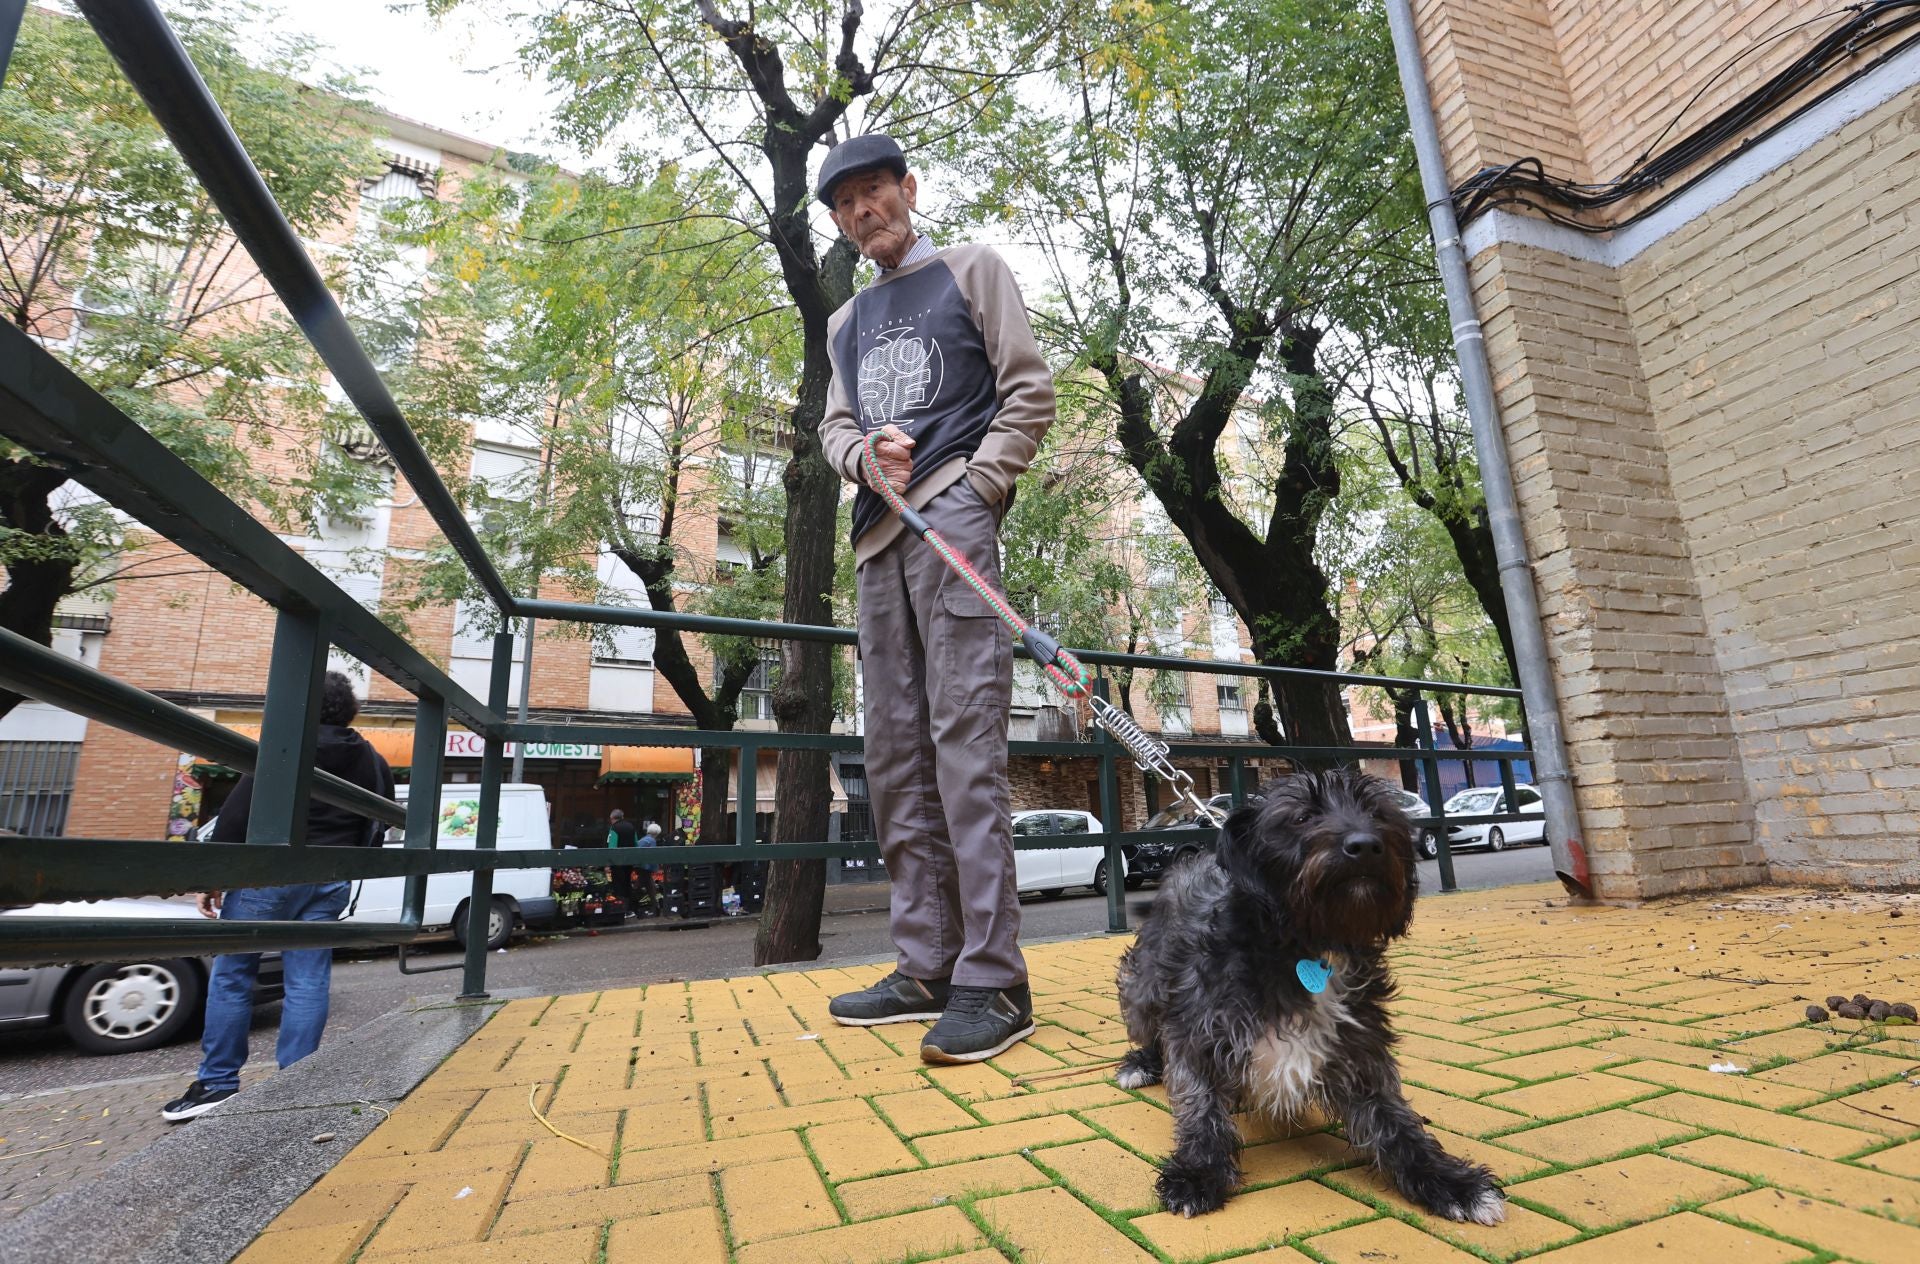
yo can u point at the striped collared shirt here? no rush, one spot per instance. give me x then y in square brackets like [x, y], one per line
[922, 248]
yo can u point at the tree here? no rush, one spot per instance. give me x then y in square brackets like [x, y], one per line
[1225, 187]
[1409, 393]
[652, 372]
[757, 94]
[113, 256]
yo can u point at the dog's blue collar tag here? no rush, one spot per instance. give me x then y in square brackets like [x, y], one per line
[1313, 973]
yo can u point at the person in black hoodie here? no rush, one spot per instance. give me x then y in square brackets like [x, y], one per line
[308, 971]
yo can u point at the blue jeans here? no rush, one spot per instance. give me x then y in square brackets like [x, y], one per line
[309, 974]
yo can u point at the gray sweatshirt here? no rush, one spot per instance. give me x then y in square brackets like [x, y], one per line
[941, 348]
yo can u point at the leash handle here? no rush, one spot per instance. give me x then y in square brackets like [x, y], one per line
[1061, 667]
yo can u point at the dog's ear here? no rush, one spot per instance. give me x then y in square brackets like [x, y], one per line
[1234, 851]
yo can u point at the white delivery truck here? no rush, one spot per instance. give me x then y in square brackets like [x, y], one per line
[521, 897]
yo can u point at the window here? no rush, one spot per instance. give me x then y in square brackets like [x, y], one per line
[1033, 824]
[756, 700]
[36, 786]
[1229, 696]
[1072, 823]
[1220, 607]
[1527, 798]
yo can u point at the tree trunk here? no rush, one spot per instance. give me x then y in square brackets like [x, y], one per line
[1473, 545]
[34, 587]
[716, 766]
[803, 700]
[1406, 735]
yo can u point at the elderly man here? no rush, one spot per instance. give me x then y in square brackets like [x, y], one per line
[936, 354]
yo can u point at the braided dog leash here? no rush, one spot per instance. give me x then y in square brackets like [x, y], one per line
[1065, 671]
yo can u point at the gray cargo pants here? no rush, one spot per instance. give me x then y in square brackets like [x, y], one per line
[937, 674]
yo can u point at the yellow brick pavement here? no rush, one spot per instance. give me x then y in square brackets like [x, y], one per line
[1568, 1048]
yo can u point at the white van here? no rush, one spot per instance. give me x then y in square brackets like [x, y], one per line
[520, 896]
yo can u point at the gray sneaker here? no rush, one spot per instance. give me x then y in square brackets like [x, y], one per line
[894, 999]
[980, 1023]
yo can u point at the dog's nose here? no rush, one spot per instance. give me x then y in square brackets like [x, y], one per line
[1361, 845]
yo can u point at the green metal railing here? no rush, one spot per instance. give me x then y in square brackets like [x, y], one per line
[53, 413]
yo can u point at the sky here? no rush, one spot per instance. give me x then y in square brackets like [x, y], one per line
[459, 73]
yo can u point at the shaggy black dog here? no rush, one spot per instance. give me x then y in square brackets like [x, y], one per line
[1260, 982]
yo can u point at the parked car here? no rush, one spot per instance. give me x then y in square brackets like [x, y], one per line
[120, 1007]
[521, 897]
[1051, 870]
[1426, 839]
[1150, 861]
[1491, 801]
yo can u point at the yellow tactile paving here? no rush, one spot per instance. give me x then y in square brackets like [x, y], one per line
[1566, 1048]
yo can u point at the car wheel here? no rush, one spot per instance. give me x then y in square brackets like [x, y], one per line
[124, 1009]
[1099, 883]
[1429, 844]
[1496, 841]
[499, 924]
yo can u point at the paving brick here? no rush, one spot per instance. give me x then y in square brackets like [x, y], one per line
[865, 1080]
[1473, 1119]
[416, 1125]
[556, 1166]
[1890, 1111]
[924, 1110]
[885, 1195]
[1103, 1172]
[405, 1169]
[918, 1233]
[1385, 1242]
[1789, 1131]
[773, 1200]
[973, 1083]
[1903, 1160]
[857, 1148]
[1146, 1128]
[1570, 1095]
[784, 1118]
[709, 1156]
[333, 1243]
[1593, 1137]
[1555, 1062]
[693, 1236]
[560, 1246]
[951, 1147]
[1614, 1193]
[1284, 1160]
[1822, 1178]
[340, 1204]
[1795, 1042]
[1837, 1072]
[1057, 1101]
[1434, 1049]
[1687, 1236]
[441, 1212]
[1496, 1157]
[1051, 1226]
[1521, 1233]
[1868, 1239]
[1530, 1041]
[596, 1206]
[1263, 1217]
[1456, 1081]
[1529, 1019]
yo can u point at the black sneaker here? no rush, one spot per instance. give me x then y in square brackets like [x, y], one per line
[894, 999]
[197, 1100]
[979, 1024]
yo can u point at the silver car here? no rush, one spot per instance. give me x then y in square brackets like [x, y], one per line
[120, 1007]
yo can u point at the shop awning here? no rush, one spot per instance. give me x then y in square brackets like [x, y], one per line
[645, 763]
[396, 745]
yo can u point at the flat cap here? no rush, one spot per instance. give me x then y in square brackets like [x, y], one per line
[861, 153]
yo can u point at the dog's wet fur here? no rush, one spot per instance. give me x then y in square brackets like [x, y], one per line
[1323, 869]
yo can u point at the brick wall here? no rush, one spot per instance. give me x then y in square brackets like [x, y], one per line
[1788, 416]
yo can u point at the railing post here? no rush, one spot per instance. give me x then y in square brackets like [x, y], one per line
[1237, 774]
[11, 13]
[1431, 764]
[423, 794]
[1110, 822]
[1508, 795]
[473, 985]
[747, 791]
[283, 778]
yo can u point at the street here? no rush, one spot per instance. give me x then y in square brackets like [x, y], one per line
[84, 1113]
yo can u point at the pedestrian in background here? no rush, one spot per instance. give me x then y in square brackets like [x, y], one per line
[308, 972]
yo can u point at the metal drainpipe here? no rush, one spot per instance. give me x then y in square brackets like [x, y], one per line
[1541, 700]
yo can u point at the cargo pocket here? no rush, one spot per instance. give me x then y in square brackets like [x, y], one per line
[976, 650]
